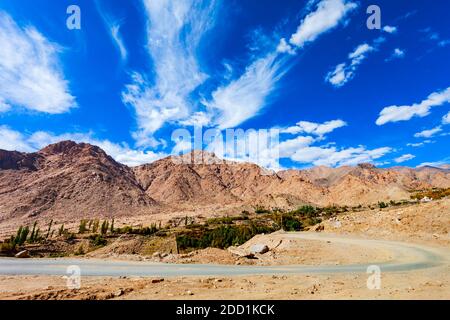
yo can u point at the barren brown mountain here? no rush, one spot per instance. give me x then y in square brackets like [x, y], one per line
[67, 180]
[71, 181]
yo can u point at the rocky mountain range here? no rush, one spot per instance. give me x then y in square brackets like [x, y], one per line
[74, 180]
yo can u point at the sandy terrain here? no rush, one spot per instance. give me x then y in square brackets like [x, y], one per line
[422, 226]
[427, 284]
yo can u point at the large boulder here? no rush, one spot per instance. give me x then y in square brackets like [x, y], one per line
[259, 248]
[23, 254]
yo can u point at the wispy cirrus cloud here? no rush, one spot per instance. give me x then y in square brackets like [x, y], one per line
[31, 75]
[422, 109]
[113, 26]
[244, 97]
[174, 32]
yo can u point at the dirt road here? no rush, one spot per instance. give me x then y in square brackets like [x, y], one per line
[406, 257]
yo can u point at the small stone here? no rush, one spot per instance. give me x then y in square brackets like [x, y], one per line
[157, 280]
[23, 254]
[189, 293]
[259, 248]
[118, 293]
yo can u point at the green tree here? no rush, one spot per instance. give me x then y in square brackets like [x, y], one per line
[49, 229]
[61, 230]
[104, 228]
[33, 233]
[82, 228]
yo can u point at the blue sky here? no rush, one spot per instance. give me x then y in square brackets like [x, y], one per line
[137, 70]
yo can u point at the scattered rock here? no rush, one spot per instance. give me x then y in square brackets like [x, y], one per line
[259, 248]
[319, 228]
[157, 280]
[23, 254]
[189, 293]
[118, 293]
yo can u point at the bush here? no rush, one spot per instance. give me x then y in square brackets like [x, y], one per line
[434, 194]
[97, 240]
[82, 228]
[104, 228]
[221, 237]
[144, 231]
[290, 223]
[382, 205]
[305, 211]
[261, 210]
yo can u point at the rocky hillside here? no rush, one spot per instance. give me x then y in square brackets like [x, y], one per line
[71, 181]
[67, 179]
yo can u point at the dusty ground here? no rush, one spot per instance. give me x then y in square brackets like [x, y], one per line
[425, 223]
[427, 284]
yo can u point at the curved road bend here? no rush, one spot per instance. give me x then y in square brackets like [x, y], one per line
[406, 257]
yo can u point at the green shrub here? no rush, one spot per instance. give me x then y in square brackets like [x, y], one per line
[98, 240]
[82, 228]
[382, 205]
[261, 210]
[221, 237]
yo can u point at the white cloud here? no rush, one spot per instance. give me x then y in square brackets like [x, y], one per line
[344, 72]
[428, 133]
[390, 29]
[13, 141]
[175, 29]
[446, 119]
[318, 129]
[328, 15]
[422, 109]
[284, 47]
[198, 119]
[244, 97]
[288, 148]
[444, 43]
[334, 157]
[404, 158]
[419, 144]
[115, 34]
[30, 71]
[4, 106]
[121, 152]
[436, 164]
[397, 54]
[113, 26]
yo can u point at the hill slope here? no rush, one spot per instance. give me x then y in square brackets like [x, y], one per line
[70, 181]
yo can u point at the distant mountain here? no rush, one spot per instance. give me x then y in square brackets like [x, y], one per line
[71, 181]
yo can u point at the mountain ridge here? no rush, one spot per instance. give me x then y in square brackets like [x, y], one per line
[75, 180]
